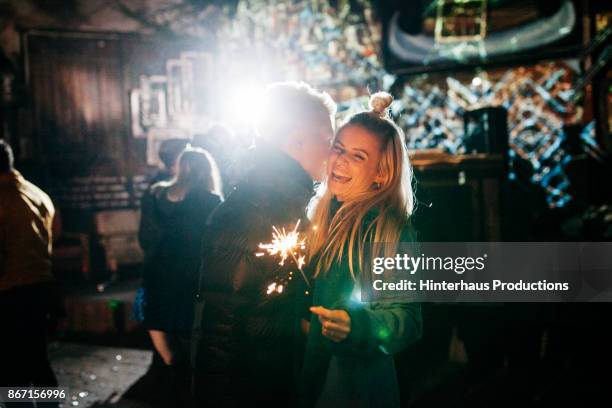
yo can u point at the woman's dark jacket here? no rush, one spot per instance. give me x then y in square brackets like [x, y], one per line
[171, 236]
[359, 371]
[245, 347]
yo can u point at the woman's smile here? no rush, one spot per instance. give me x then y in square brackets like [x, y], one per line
[338, 178]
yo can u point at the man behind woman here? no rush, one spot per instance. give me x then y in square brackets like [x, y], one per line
[247, 340]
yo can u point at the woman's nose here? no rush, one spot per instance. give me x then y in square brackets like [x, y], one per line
[341, 161]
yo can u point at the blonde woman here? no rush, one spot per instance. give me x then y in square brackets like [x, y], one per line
[367, 197]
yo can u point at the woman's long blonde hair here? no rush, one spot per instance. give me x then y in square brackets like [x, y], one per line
[393, 198]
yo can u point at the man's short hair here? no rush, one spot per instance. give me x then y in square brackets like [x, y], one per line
[290, 105]
[7, 160]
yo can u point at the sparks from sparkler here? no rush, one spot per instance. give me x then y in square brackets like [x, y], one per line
[286, 244]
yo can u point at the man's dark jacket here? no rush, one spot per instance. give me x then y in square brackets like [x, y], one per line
[247, 343]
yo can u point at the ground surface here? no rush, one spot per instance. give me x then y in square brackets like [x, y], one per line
[97, 376]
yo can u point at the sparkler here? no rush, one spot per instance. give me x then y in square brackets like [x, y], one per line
[286, 245]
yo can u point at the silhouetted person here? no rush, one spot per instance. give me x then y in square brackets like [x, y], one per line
[172, 224]
[246, 350]
[225, 148]
[27, 291]
[169, 152]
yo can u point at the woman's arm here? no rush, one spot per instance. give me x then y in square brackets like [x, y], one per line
[370, 328]
[384, 326]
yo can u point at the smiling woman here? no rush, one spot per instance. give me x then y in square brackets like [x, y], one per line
[366, 198]
[368, 168]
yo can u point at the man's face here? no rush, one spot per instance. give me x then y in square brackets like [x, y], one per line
[314, 147]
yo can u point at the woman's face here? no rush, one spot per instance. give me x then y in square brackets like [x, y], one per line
[352, 167]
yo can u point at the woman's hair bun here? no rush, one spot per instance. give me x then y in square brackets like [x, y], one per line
[380, 102]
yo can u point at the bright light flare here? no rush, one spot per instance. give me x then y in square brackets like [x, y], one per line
[241, 103]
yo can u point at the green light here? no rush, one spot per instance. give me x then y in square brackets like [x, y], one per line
[383, 334]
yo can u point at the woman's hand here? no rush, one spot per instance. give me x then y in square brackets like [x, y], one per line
[335, 324]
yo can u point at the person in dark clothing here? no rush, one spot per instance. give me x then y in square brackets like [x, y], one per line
[169, 152]
[29, 300]
[245, 334]
[225, 147]
[366, 198]
[173, 217]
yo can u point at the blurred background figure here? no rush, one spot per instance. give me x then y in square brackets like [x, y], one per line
[225, 148]
[28, 297]
[173, 217]
[169, 152]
